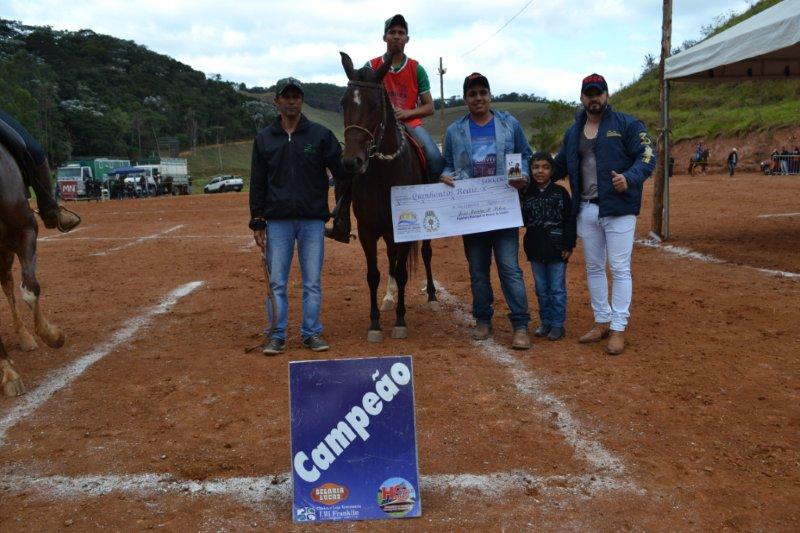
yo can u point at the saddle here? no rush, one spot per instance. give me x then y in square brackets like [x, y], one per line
[417, 148]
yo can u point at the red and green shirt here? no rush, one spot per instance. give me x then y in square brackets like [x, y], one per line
[405, 84]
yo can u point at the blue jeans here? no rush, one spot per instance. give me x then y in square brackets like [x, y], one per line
[310, 237]
[432, 153]
[478, 248]
[551, 291]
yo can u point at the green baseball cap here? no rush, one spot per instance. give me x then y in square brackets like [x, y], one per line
[288, 82]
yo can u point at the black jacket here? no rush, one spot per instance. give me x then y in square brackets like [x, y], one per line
[287, 173]
[550, 224]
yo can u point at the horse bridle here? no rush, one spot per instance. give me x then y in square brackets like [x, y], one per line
[376, 137]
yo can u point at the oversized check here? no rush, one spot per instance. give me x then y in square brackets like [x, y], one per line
[421, 212]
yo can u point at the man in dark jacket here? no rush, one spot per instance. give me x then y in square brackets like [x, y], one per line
[288, 204]
[608, 156]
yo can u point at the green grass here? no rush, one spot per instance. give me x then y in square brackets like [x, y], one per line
[728, 109]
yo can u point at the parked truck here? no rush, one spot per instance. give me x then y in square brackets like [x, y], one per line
[172, 173]
[73, 176]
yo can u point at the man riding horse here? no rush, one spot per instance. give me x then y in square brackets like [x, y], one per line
[32, 161]
[409, 91]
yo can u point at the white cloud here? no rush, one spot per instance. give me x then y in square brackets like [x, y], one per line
[545, 50]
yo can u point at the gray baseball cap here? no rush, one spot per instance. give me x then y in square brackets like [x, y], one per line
[288, 82]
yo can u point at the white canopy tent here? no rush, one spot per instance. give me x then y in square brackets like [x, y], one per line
[764, 46]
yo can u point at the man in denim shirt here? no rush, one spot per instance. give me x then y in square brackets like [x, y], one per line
[476, 146]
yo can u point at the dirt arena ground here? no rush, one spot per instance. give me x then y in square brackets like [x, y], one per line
[695, 427]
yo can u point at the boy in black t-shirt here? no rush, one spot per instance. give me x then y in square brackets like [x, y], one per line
[549, 239]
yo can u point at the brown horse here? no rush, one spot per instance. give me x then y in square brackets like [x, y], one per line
[380, 156]
[18, 232]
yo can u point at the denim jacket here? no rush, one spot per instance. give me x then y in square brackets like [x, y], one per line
[508, 135]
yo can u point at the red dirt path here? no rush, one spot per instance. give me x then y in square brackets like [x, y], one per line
[703, 408]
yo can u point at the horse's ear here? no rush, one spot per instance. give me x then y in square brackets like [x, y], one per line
[347, 63]
[384, 68]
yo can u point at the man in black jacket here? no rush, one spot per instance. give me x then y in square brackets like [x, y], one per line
[288, 204]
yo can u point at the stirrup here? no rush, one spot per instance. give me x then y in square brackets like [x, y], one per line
[62, 229]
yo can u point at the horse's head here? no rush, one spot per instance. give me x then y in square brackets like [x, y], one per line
[367, 112]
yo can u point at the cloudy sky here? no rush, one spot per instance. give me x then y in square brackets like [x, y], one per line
[545, 50]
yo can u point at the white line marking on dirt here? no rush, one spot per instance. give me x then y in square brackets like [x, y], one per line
[579, 437]
[139, 240]
[51, 237]
[780, 215]
[691, 254]
[62, 378]
[164, 237]
[279, 488]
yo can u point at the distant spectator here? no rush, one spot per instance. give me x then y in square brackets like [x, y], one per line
[796, 160]
[785, 161]
[776, 161]
[733, 160]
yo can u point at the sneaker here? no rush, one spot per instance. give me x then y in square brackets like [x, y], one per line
[541, 331]
[481, 331]
[521, 340]
[556, 333]
[273, 347]
[316, 343]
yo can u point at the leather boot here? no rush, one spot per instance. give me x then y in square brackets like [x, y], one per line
[51, 214]
[340, 231]
[481, 332]
[521, 340]
[616, 342]
[598, 332]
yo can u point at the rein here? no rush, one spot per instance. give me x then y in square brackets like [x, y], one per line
[380, 131]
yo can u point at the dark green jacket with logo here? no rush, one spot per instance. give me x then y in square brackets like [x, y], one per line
[287, 174]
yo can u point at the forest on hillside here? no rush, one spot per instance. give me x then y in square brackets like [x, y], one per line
[81, 93]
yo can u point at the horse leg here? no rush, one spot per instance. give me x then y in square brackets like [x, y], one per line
[49, 333]
[26, 341]
[400, 331]
[390, 299]
[430, 288]
[370, 246]
[10, 380]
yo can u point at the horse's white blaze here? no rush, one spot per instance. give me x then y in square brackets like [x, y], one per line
[357, 97]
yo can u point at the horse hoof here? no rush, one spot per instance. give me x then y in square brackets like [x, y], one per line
[374, 335]
[387, 305]
[399, 332]
[434, 306]
[14, 388]
[55, 339]
[27, 344]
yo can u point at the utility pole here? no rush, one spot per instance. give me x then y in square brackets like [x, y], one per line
[442, 72]
[660, 223]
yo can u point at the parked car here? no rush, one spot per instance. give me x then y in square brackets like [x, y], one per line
[224, 184]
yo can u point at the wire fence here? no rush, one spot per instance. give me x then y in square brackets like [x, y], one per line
[782, 165]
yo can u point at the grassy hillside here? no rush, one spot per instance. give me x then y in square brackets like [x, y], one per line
[235, 156]
[525, 112]
[728, 109]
